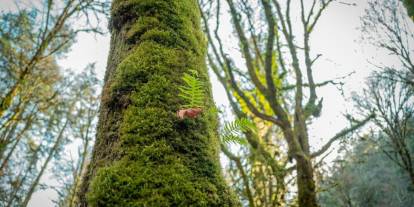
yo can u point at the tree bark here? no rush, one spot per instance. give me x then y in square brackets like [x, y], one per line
[306, 183]
[144, 154]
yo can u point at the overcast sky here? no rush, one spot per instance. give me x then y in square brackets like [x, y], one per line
[336, 38]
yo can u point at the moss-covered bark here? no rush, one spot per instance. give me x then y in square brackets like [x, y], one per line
[144, 154]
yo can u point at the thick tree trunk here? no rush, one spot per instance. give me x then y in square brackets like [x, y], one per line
[299, 150]
[305, 182]
[144, 155]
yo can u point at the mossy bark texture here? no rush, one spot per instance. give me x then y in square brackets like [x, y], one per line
[144, 154]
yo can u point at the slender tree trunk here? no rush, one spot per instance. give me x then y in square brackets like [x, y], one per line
[21, 178]
[306, 183]
[243, 174]
[71, 201]
[74, 189]
[406, 158]
[412, 178]
[5, 139]
[11, 122]
[144, 154]
[304, 168]
[16, 143]
[6, 102]
[50, 155]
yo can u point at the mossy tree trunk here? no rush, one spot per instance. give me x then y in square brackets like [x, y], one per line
[144, 155]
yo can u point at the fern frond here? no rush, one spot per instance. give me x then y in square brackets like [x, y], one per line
[192, 91]
[234, 139]
[233, 131]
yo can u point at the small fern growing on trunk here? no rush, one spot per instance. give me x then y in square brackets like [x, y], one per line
[192, 93]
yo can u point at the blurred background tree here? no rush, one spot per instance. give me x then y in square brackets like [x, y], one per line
[377, 169]
[44, 110]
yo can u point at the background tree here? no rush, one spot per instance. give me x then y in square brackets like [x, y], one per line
[390, 88]
[387, 28]
[38, 99]
[386, 153]
[393, 104]
[364, 176]
[46, 140]
[82, 130]
[28, 48]
[275, 73]
[255, 171]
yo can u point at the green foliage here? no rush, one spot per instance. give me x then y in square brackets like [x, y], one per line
[193, 90]
[365, 177]
[233, 131]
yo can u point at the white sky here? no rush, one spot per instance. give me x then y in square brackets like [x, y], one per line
[335, 37]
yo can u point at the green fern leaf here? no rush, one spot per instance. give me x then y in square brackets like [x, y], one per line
[192, 91]
[234, 139]
[233, 131]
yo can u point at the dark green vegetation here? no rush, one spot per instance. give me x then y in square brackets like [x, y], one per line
[144, 154]
[365, 177]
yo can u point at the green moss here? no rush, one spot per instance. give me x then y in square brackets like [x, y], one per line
[161, 160]
[155, 177]
[141, 26]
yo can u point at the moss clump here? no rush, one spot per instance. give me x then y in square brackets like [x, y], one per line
[161, 160]
[152, 177]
